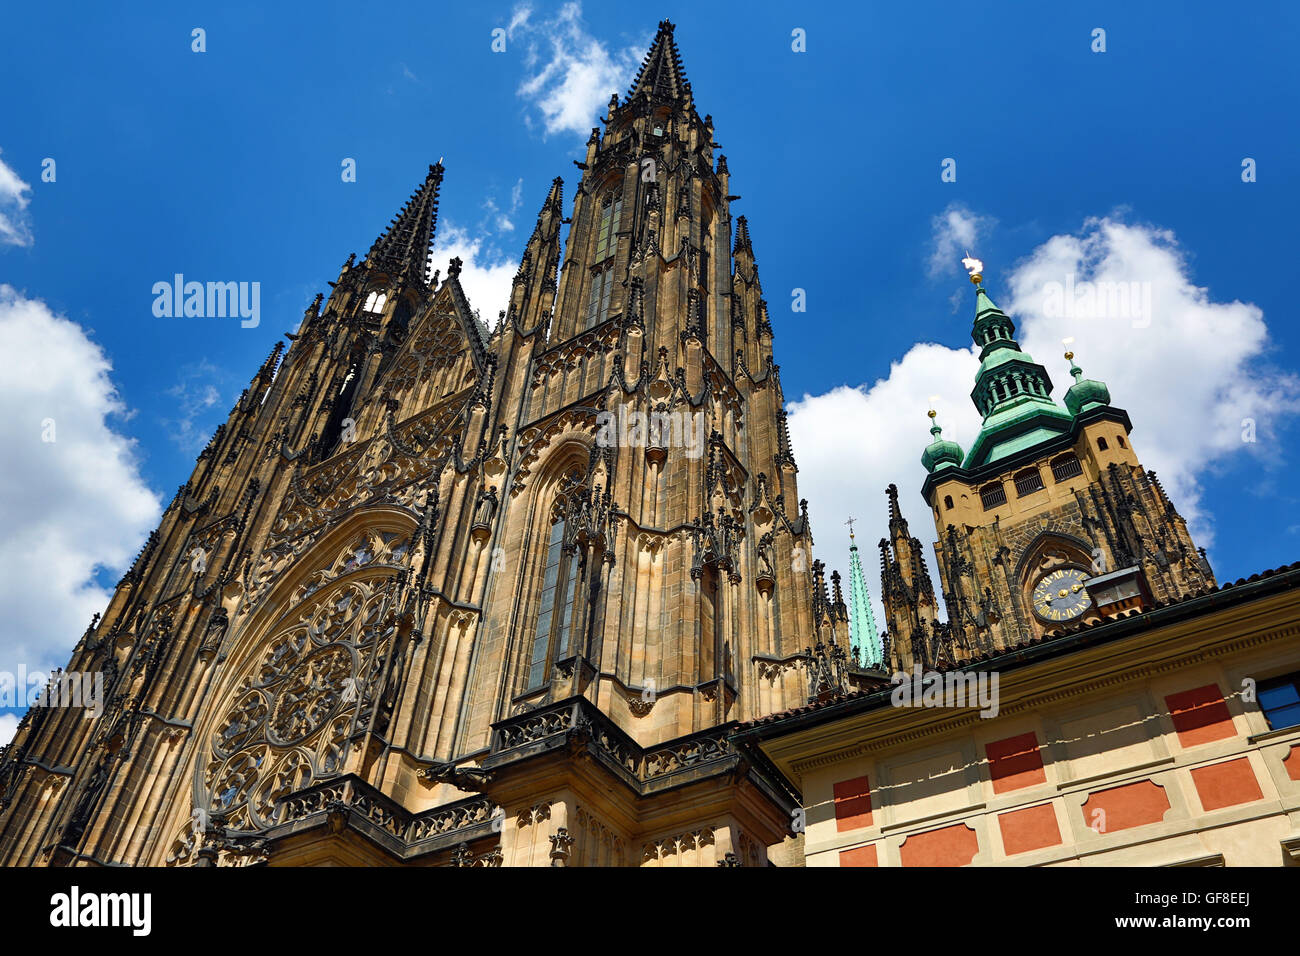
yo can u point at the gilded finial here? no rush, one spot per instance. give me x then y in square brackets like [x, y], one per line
[1069, 357]
[975, 267]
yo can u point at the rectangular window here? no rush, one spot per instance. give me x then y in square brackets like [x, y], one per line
[545, 608]
[607, 230]
[1279, 699]
[566, 609]
[602, 292]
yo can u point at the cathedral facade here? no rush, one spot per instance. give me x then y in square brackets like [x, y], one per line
[443, 595]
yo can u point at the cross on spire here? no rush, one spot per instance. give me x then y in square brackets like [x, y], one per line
[850, 524]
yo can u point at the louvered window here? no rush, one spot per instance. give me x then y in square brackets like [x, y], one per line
[1066, 466]
[993, 495]
[1028, 481]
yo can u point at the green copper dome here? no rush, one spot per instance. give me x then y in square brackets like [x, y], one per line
[1085, 392]
[941, 453]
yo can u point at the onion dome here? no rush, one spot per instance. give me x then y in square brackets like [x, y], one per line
[940, 453]
[1085, 392]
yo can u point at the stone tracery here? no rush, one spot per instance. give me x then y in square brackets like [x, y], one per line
[309, 690]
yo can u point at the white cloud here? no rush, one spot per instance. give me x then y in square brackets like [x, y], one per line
[485, 275]
[1189, 370]
[501, 221]
[570, 74]
[67, 507]
[1188, 379]
[195, 393]
[8, 727]
[14, 227]
[956, 230]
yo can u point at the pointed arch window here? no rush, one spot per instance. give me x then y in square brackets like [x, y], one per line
[551, 633]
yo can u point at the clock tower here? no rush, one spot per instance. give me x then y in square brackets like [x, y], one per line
[1048, 522]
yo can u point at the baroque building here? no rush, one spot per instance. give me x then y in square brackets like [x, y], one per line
[420, 601]
[1094, 697]
[1050, 517]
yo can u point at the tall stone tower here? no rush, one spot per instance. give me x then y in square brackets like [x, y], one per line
[444, 595]
[1048, 522]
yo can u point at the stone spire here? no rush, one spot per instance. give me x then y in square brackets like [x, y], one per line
[662, 75]
[743, 243]
[405, 246]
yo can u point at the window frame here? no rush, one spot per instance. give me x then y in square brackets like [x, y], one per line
[553, 639]
[1291, 680]
[997, 499]
[1022, 479]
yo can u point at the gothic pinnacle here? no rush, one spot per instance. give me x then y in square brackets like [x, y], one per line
[662, 75]
[742, 237]
[894, 513]
[405, 246]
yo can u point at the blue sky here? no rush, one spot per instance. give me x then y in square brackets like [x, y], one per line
[225, 165]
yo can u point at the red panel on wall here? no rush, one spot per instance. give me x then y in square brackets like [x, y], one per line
[1029, 829]
[1132, 805]
[852, 804]
[1292, 763]
[1015, 762]
[1226, 784]
[951, 846]
[859, 856]
[1200, 715]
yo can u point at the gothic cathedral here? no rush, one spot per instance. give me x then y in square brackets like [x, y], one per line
[444, 595]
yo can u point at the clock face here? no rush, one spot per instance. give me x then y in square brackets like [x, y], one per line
[1060, 595]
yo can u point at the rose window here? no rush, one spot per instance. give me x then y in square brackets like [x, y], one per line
[309, 692]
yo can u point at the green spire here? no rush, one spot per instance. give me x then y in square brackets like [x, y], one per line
[862, 623]
[1012, 391]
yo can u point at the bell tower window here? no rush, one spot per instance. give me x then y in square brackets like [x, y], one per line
[1028, 481]
[1065, 467]
[992, 495]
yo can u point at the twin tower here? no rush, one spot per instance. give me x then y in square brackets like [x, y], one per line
[414, 605]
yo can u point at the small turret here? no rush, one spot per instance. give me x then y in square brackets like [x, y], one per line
[940, 453]
[1085, 392]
